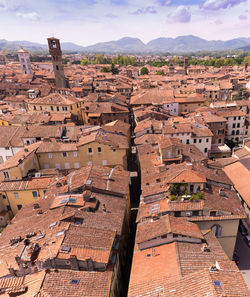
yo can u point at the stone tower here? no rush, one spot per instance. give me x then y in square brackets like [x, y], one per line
[24, 59]
[186, 65]
[56, 56]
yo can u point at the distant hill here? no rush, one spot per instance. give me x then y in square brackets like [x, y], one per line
[180, 44]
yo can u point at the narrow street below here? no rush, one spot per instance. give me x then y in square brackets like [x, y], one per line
[243, 251]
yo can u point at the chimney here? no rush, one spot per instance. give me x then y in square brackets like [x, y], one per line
[104, 208]
[12, 271]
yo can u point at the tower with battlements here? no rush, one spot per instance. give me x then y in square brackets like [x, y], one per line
[56, 56]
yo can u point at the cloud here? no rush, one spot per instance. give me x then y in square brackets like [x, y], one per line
[164, 2]
[32, 16]
[145, 10]
[220, 4]
[9, 5]
[111, 16]
[180, 15]
[242, 17]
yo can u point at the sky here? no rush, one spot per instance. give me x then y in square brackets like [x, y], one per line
[87, 22]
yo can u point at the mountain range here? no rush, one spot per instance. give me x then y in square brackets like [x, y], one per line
[129, 45]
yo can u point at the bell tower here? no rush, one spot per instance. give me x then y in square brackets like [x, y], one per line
[24, 59]
[56, 56]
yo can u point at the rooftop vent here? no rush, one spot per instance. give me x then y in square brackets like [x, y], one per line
[36, 206]
[39, 211]
[26, 150]
[213, 269]
[206, 249]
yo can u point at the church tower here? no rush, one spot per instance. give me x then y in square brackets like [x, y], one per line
[56, 56]
[24, 59]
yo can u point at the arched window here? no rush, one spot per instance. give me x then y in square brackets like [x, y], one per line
[217, 230]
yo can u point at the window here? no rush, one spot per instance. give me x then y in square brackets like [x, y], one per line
[64, 154]
[34, 107]
[90, 151]
[195, 140]
[114, 150]
[16, 195]
[207, 140]
[41, 108]
[219, 140]
[217, 230]
[213, 213]
[19, 206]
[200, 140]
[239, 118]
[66, 108]
[99, 149]
[8, 208]
[76, 165]
[58, 166]
[205, 150]
[233, 132]
[57, 68]
[51, 107]
[75, 154]
[237, 132]
[238, 125]
[4, 196]
[57, 108]
[66, 165]
[234, 118]
[6, 174]
[104, 162]
[89, 162]
[50, 155]
[34, 193]
[233, 125]
[71, 107]
[187, 142]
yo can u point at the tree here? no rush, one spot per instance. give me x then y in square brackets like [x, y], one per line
[144, 70]
[105, 69]
[84, 62]
[160, 72]
[113, 69]
[246, 60]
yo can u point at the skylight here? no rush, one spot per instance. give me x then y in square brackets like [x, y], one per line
[218, 283]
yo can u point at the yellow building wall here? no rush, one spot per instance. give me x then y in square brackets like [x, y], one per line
[228, 235]
[4, 123]
[190, 107]
[22, 169]
[114, 159]
[44, 107]
[24, 197]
